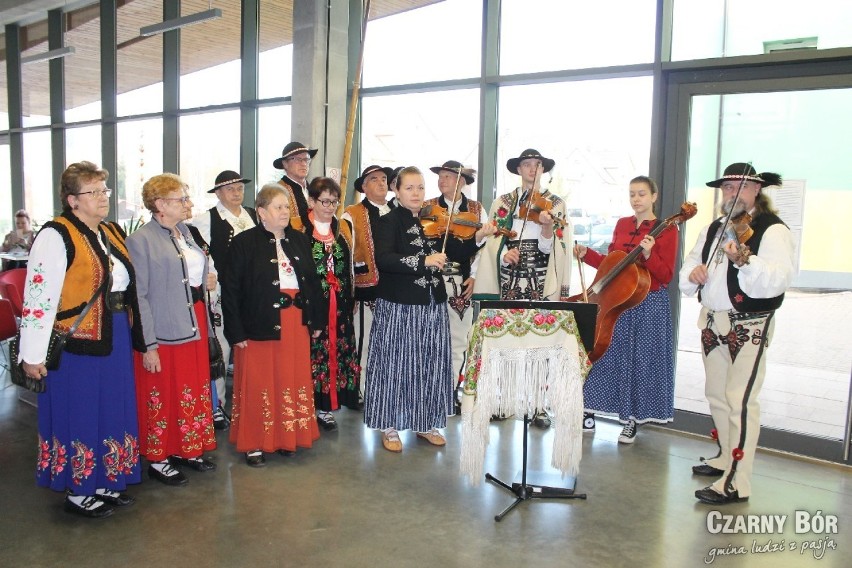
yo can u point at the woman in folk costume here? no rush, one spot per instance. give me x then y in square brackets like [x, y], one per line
[87, 424]
[272, 304]
[634, 380]
[409, 368]
[173, 374]
[334, 354]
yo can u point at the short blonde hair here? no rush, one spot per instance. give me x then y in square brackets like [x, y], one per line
[267, 193]
[159, 187]
[75, 176]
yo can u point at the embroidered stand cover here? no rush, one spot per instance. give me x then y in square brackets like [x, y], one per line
[520, 360]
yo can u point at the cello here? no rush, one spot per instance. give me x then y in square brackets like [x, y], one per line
[621, 283]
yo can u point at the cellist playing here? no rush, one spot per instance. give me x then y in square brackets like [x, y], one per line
[634, 379]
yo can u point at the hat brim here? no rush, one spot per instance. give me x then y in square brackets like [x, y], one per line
[513, 163]
[243, 180]
[469, 179]
[738, 178]
[359, 182]
[278, 163]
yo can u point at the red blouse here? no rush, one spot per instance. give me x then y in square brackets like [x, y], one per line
[627, 236]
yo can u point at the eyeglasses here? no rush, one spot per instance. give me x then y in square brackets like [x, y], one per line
[328, 202]
[301, 160]
[97, 192]
[184, 200]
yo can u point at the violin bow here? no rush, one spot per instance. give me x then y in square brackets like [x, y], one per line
[452, 210]
[582, 273]
[536, 181]
[730, 213]
[350, 125]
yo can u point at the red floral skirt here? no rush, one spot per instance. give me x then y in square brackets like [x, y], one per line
[273, 404]
[175, 408]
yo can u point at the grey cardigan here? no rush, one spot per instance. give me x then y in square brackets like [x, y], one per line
[162, 284]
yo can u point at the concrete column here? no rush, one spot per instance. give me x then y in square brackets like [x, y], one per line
[320, 90]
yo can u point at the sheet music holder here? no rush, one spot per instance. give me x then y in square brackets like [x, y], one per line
[585, 315]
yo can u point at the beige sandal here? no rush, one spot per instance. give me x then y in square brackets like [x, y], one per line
[391, 441]
[433, 437]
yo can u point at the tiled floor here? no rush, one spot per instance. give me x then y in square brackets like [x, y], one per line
[348, 503]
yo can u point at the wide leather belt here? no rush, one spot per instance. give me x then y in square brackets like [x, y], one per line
[116, 301]
[286, 300]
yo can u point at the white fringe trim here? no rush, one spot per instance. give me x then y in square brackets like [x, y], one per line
[520, 381]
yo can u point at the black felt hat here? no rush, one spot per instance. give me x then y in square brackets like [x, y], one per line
[456, 168]
[289, 150]
[227, 178]
[394, 173]
[528, 154]
[369, 170]
[743, 171]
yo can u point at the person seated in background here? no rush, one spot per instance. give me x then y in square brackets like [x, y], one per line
[18, 241]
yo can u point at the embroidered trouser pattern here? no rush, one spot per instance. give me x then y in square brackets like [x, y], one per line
[734, 346]
[363, 323]
[461, 320]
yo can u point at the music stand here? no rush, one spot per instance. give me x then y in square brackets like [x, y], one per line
[585, 315]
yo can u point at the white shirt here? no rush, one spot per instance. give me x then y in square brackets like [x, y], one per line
[767, 275]
[240, 223]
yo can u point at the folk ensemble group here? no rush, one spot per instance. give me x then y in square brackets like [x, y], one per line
[368, 310]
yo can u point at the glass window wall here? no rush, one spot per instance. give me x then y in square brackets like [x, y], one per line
[542, 35]
[275, 73]
[725, 28]
[39, 185]
[83, 143]
[139, 157]
[139, 59]
[209, 143]
[273, 133]
[83, 68]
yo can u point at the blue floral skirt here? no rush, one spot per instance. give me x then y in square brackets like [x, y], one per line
[634, 379]
[409, 367]
[87, 426]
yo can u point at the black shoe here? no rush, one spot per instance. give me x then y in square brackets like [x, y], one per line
[712, 497]
[326, 421]
[500, 417]
[286, 453]
[541, 420]
[198, 464]
[220, 419]
[628, 433]
[256, 460]
[588, 422]
[90, 507]
[115, 498]
[708, 470]
[169, 475]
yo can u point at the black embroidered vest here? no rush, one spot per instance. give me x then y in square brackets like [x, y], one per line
[221, 233]
[739, 299]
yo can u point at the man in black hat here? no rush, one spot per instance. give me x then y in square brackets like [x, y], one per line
[740, 285]
[363, 217]
[295, 160]
[535, 265]
[452, 179]
[217, 226]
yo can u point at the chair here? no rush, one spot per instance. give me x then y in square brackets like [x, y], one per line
[11, 294]
[8, 329]
[17, 277]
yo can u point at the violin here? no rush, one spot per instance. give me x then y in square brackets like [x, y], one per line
[463, 225]
[739, 231]
[536, 203]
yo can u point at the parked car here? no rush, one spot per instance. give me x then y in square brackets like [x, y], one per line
[598, 237]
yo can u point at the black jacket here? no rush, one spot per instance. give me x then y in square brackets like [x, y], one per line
[401, 251]
[250, 287]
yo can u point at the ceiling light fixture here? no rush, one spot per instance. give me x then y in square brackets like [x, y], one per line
[183, 21]
[47, 55]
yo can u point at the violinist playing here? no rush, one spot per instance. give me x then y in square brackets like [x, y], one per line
[739, 285]
[536, 264]
[463, 253]
[409, 375]
[634, 379]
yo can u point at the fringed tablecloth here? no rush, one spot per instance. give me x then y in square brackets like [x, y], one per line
[521, 360]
